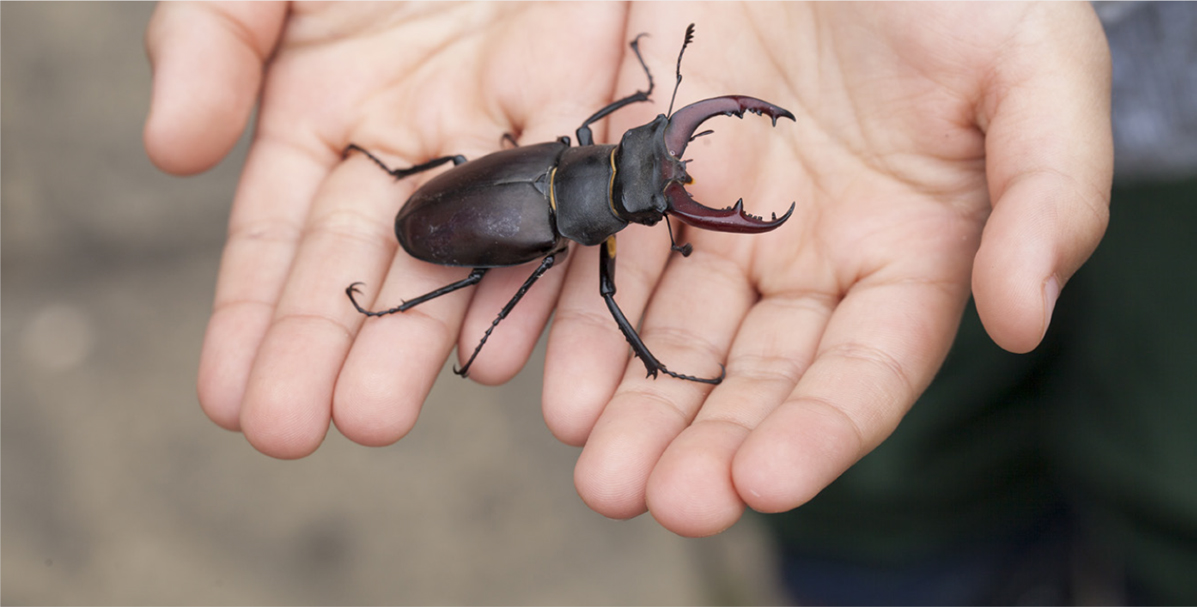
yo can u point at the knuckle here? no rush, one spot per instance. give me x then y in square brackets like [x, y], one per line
[876, 358]
[348, 225]
[681, 339]
[766, 368]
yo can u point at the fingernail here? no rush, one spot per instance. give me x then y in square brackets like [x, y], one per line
[1051, 292]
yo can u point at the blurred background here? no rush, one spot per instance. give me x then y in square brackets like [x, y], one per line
[117, 489]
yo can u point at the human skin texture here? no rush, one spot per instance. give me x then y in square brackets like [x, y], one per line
[939, 151]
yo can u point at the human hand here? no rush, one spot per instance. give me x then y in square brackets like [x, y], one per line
[407, 82]
[936, 147]
[859, 299]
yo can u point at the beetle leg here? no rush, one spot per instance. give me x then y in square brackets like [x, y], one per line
[607, 289]
[585, 137]
[472, 279]
[401, 173]
[540, 270]
[684, 249]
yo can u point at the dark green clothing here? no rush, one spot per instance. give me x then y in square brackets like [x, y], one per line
[1087, 446]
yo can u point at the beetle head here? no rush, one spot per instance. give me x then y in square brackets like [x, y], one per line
[649, 160]
[643, 169]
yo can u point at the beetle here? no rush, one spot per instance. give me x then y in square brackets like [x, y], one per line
[526, 203]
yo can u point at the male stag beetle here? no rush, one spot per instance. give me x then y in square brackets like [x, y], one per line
[526, 203]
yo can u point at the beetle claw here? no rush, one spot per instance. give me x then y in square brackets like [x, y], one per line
[655, 369]
[714, 381]
[352, 290]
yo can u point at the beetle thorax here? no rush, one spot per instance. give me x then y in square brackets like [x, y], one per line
[580, 189]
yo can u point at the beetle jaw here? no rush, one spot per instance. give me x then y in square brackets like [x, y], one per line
[649, 159]
[731, 219]
[679, 133]
[684, 122]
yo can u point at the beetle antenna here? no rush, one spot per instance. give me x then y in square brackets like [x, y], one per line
[685, 43]
[685, 249]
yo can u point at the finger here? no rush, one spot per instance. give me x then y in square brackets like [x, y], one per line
[512, 338]
[1049, 150]
[587, 355]
[880, 350]
[347, 234]
[207, 60]
[394, 359]
[691, 491]
[688, 327]
[275, 192]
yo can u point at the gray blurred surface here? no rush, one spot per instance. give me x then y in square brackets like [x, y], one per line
[117, 489]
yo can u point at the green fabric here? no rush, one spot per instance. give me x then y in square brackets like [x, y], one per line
[1101, 417]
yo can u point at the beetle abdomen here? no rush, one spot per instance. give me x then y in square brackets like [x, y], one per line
[489, 212]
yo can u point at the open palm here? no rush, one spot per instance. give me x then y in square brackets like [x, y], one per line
[937, 152]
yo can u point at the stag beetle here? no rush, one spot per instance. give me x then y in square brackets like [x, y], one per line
[526, 203]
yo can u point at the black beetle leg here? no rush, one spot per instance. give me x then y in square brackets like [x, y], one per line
[540, 270]
[584, 135]
[401, 173]
[607, 289]
[472, 279]
[684, 249]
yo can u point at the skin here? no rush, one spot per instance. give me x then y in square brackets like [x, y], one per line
[939, 151]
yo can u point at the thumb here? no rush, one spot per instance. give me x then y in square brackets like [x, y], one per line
[207, 61]
[1050, 164]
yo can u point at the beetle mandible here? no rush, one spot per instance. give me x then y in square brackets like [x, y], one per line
[526, 203]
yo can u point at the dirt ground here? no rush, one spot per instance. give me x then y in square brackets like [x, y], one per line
[117, 489]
